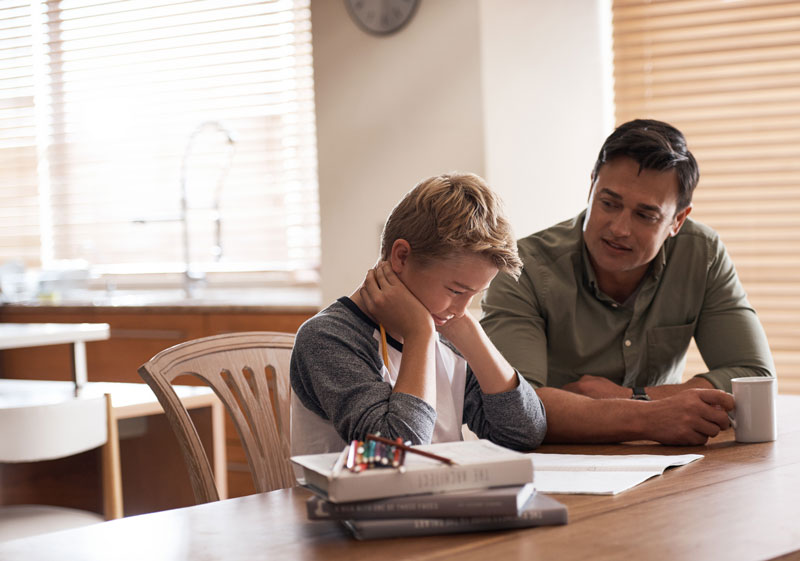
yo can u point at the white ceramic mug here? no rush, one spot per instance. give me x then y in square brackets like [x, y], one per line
[753, 417]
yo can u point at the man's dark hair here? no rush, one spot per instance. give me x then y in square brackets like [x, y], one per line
[653, 145]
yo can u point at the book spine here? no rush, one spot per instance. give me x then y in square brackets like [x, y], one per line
[449, 478]
[402, 527]
[420, 506]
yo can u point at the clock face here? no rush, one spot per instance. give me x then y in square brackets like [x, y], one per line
[381, 16]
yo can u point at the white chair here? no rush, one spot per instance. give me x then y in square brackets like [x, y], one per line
[249, 372]
[58, 430]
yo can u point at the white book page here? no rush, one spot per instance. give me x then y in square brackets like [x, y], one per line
[589, 483]
[599, 475]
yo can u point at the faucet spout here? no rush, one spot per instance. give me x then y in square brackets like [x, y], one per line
[190, 276]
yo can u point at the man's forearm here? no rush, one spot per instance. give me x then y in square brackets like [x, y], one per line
[689, 417]
[576, 418]
[661, 392]
[598, 387]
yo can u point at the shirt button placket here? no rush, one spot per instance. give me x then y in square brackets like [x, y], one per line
[629, 355]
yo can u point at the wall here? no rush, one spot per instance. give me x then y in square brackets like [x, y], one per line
[546, 69]
[497, 87]
[390, 111]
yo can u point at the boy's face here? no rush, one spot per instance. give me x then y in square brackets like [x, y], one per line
[446, 287]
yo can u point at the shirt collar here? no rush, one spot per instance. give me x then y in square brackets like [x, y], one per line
[659, 261]
[350, 305]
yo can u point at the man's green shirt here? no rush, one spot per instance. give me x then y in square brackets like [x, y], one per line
[555, 325]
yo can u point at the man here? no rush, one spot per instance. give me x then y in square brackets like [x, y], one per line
[609, 301]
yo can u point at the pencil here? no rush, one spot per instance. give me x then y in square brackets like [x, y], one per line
[384, 347]
[351, 455]
[336, 470]
[411, 449]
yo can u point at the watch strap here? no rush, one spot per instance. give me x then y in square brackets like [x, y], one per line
[640, 394]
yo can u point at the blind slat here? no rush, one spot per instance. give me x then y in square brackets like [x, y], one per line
[728, 75]
[121, 90]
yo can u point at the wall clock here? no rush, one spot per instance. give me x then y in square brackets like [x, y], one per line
[381, 17]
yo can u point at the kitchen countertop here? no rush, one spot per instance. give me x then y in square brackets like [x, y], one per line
[247, 300]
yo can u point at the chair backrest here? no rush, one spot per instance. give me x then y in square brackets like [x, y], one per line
[50, 431]
[249, 372]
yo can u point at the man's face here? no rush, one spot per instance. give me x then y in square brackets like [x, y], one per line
[630, 215]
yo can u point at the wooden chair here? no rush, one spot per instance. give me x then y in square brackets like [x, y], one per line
[58, 430]
[249, 372]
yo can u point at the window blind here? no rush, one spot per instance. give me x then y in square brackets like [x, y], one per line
[727, 73]
[111, 110]
[19, 205]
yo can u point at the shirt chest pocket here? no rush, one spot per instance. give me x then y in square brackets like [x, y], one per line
[666, 351]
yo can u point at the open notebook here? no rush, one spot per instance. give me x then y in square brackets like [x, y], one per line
[599, 475]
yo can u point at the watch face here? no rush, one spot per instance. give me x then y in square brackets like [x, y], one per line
[381, 16]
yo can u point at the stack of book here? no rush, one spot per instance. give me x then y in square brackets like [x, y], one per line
[488, 487]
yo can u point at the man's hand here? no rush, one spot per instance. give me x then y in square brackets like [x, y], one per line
[393, 305]
[690, 417]
[597, 387]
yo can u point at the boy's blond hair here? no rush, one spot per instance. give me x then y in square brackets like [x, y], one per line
[452, 213]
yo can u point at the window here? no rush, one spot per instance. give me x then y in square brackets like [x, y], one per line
[728, 75]
[110, 110]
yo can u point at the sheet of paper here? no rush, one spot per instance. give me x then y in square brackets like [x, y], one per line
[599, 475]
[588, 483]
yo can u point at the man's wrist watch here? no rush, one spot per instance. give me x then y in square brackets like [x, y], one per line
[640, 394]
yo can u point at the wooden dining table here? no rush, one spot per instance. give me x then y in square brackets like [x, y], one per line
[739, 502]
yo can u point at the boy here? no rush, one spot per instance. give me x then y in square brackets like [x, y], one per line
[375, 362]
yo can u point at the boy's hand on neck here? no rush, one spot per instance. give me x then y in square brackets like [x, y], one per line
[385, 298]
[389, 302]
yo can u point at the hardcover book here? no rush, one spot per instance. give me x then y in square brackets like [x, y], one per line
[495, 501]
[540, 510]
[479, 464]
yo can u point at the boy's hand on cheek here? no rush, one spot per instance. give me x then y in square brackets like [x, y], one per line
[461, 331]
[394, 306]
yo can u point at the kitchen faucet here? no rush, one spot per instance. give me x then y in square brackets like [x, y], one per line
[190, 277]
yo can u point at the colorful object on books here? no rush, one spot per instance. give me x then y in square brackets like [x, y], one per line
[378, 452]
[540, 510]
[496, 501]
[476, 464]
[371, 453]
